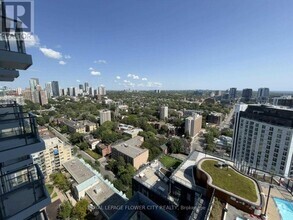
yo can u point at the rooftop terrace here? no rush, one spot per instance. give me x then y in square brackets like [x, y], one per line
[230, 180]
[184, 173]
[148, 177]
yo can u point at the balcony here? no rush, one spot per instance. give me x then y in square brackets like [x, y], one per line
[18, 133]
[38, 216]
[13, 56]
[22, 193]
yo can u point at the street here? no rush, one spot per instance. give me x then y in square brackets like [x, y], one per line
[226, 122]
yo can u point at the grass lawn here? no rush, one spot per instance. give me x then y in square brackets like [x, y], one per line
[49, 188]
[230, 180]
[169, 162]
[54, 195]
[93, 154]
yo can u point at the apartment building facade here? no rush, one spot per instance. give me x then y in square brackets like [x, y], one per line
[193, 125]
[56, 153]
[131, 152]
[263, 139]
[164, 112]
[23, 194]
[105, 115]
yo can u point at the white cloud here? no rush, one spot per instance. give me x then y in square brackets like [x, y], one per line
[51, 53]
[61, 62]
[100, 61]
[126, 81]
[78, 80]
[31, 40]
[91, 68]
[67, 57]
[132, 76]
[118, 77]
[144, 79]
[95, 73]
[154, 84]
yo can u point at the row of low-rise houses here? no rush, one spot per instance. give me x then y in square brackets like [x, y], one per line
[81, 126]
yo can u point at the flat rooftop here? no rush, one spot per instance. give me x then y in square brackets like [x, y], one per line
[150, 179]
[78, 170]
[104, 197]
[184, 173]
[46, 134]
[131, 147]
[102, 193]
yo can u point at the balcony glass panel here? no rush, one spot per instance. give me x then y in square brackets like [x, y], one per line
[21, 190]
[12, 36]
[17, 129]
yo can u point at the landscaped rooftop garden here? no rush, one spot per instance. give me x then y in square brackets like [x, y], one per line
[230, 180]
[169, 162]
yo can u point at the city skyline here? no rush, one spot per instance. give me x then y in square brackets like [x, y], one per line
[214, 46]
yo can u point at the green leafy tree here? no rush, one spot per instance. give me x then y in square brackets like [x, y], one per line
[79, 211]
[227, 132]
[76, 138]
[83, 146]
[64, 129]
[60, 181]
[41, 121]
[65, 211]
[174, 145]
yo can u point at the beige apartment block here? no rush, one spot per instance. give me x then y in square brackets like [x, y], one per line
[131, 152]
[55, 154]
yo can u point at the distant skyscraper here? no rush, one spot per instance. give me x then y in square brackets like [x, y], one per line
[75, 91]
[48, 89]
[27, 94]
[80, 87]
[55, 88]
[102, 90]
[63, 92]
[232, 93]
[43, 97]
[18, 91]
[286, 101]
[68, 91]
[247, 94]
[105, 115]
[263, 94]
[91, 91]
[33, 83]
[164, 112]
[86, 87]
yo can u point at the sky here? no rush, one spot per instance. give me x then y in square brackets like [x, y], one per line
[162, 44]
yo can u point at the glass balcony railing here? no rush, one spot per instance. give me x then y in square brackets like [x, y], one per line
[38, 216]
[21, 190]
[12, 36]
[17, 129]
